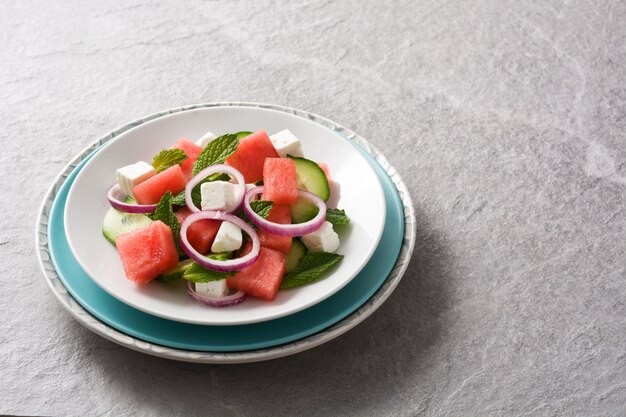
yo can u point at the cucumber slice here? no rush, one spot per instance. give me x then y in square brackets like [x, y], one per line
[298, 250]
[311, 177]
[117, 223]
[303, 211]
[175, 273]
[243, 134]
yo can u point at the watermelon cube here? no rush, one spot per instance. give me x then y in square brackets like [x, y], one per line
[263, 277]
[192, 151]
[280, 181]
[250, 155]
[200, 234]
[147, 252]
[280, 213]
[151, 190]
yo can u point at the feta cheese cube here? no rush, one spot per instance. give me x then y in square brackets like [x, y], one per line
[285, 143]
[218, 195]
[204, 140]
[213, 289]
[248, 188]
[228, 238]
[323, 239]
[131, 175]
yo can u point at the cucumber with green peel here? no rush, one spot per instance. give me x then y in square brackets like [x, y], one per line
[303, 211]
[311, 177]
[243, 134]
[298, 250]
[175, 273]
[117, 223]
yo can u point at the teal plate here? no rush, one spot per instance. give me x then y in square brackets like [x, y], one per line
[231, 338]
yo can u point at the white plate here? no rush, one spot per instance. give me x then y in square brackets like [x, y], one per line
[361, 196]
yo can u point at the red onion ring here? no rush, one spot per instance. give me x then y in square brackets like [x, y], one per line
[113, 195]
[229, 300]
[213, 264]
[214, 169]
[298, 229]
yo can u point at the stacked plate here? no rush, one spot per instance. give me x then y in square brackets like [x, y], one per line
[85, 274]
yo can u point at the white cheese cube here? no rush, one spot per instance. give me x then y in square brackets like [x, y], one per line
[228, 238]
[204, 140]
[131, 175]
[248, 188]
[213, 289]
[218, 195]
[323, 239]
[285, 143]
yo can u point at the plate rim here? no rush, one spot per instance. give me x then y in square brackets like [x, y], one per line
[89, 321]
[161, 306]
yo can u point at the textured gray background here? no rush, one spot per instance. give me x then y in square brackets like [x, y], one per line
[507, 120]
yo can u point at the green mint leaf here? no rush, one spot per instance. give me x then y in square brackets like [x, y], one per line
[336, 216]
[310, 268]
[165, 213]
[216, 152]
[179, 199]
[175, 273]
[260, 207]
[168, 158]
[196, 273]
[217, 177]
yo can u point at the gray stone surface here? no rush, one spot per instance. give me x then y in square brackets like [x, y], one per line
[507, 120]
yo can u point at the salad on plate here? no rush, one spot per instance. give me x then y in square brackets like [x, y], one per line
[242, 214]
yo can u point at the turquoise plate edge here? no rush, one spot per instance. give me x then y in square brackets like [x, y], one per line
[227, 338]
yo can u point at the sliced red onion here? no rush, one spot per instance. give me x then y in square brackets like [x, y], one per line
[213, 264]
[214, 169]
[229, 300]
[116, 199]
[298, 229]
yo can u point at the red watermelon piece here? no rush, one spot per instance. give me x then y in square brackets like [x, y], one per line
[151, 190]
[280, 213]
[250, 155]
[192, 151]
[263, 277]
[148, 252]
[280, 181]
[200, 234]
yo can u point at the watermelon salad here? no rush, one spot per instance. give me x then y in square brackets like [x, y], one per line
[242, 214]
